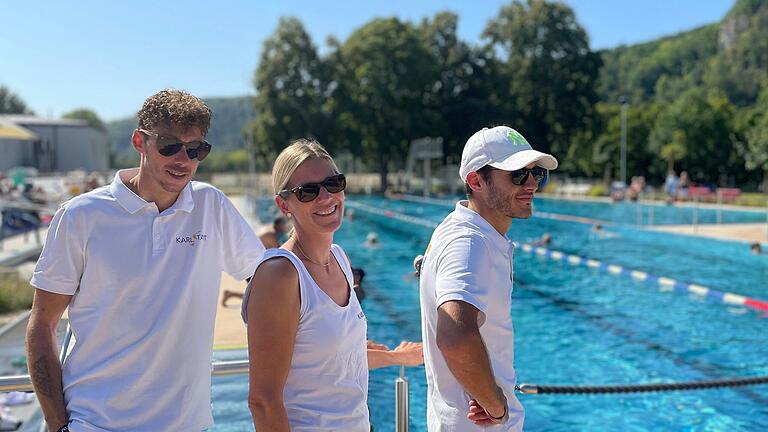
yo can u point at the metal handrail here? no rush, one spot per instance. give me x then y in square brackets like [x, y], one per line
[402, 402]
[220, 368]
[24, 383]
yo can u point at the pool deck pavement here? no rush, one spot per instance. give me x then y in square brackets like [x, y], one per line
[744, 232]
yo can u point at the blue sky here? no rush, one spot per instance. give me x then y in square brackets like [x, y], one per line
[109, 56]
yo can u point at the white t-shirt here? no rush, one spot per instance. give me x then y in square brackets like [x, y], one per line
[145, 287]
[468, 260]
[327, 385]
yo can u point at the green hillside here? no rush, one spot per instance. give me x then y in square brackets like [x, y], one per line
[731, 56]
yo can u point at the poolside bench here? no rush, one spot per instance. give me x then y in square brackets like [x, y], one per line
[702, 193]
[728, 194]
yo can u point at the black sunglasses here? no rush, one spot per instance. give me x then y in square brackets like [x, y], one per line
[520, 177]
[309, 191]
[169, 146]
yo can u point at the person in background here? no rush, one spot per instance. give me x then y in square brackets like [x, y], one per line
[137, 264]
[683, 185]
[270, 235]
[756, 248]
[372, 240]
[357, 282]
[670, 186]
[544, 241]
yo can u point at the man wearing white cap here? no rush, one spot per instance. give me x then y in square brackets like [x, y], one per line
[466, 287]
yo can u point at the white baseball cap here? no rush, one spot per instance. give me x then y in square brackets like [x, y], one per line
[501, 147]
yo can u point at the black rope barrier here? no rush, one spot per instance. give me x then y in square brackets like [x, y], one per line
[640, 388]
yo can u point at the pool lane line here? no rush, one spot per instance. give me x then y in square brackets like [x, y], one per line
[667, 284]
[539, 214]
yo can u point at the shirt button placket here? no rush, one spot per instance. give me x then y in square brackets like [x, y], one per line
[157, 246]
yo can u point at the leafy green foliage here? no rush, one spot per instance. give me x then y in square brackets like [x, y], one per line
[550, 72]
[696, 129]
[386, 70]
[88, 115]
[697, 100]
[289, 83]
[10, 103]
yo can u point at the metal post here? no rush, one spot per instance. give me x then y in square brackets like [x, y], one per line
[719, 211]
[2, 229]
[254, 188]
[696, 214]
[427, 176]
[623, 165]
[650, 208]
[401, 402]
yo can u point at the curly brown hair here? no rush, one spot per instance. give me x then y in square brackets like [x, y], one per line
[173, 107]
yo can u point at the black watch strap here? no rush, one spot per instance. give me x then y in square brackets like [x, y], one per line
[64, 428]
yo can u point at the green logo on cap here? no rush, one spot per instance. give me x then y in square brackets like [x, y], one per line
[516, 139]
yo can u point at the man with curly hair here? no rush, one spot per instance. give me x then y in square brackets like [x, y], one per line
[138, 264]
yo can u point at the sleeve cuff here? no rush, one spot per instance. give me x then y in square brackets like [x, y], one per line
[52, 287]
[463, 296]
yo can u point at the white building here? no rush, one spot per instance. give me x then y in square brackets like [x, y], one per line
[52, 145]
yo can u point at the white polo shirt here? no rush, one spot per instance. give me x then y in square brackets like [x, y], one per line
[468, 260]
[145, 287]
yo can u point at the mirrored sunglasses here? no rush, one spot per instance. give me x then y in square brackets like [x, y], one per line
[168, 146]
[309, 191]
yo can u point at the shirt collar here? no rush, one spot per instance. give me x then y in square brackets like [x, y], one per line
[464, 213]
[132, 203]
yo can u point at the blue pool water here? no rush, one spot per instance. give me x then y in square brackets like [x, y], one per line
[575, 325]
[649, 214]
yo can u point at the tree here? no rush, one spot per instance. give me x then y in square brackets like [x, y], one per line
[88, 116]
[742, 61]
[550, 73]
[461, 100]
[596, 150]
[290, 88]
[701, 123]
[753, 145]
[10, 103]
[675, 150]
[386, 71]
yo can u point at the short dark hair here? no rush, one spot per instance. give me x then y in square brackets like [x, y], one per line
[485, 173]
[174, 108]
[280, 220]
[360, 273]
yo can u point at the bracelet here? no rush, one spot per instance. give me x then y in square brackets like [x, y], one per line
[64, 428]
[500, 417]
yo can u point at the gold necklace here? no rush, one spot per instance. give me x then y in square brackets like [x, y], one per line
[298, 245]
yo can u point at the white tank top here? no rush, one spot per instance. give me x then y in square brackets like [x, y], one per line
[327, 386]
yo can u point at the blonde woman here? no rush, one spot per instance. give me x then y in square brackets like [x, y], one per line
[306, 330]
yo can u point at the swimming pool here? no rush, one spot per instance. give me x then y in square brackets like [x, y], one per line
[574, 325]
[649, 214]
[635, 213]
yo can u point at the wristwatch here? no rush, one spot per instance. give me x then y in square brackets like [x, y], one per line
[64, 428]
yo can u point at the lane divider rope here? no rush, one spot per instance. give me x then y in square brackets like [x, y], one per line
[666, 284]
